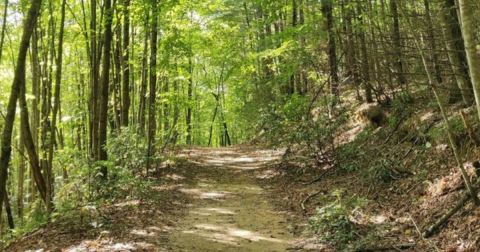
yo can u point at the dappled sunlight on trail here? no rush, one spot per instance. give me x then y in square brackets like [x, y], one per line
[230, 159]
[229, 211]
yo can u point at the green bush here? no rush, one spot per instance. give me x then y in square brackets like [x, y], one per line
[334, 220]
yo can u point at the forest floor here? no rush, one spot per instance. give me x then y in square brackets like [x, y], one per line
[205, 200]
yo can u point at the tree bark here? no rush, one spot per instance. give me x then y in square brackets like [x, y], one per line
[152, 123]
[365, 59]
[94, 85]
[327, 12]
[103, 108]
[143, 86]
[8, 209]
[126, 64]
[21, 172]
[189, 105]
[397, 44]
[18, 83]
[4, 28]
[468, 31]
[56, 106]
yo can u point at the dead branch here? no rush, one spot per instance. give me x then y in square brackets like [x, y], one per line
[434, 228]
[382, 248]
[309, 197]
[319, 177]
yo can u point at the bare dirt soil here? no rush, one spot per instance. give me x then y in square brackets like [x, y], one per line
[206, 200]
[229, 210]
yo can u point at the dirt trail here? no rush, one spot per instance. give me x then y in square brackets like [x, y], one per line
[229, 211]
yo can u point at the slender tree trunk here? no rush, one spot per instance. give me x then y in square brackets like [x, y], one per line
[18, 83]
[4, 28]
[166, 108]
[35, 165]
[126, 63]
[35, 124]
[461, 81]
[211, 126]
[351, 60]
[152, 123]
[365, 60]
[456, 30]
[94, 86]
[116, 84]
[8, 209]
[303, 80]
[397, 44]
[21, 172]
[468, 31]
[176, 107]
[433, 44]
[56, 105]
[104, 83]
[189, 105]
[143, 85]
[327, 12]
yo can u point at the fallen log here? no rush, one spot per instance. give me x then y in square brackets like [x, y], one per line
[434, 228]
[383, 248]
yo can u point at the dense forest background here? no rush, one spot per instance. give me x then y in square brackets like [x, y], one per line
[94, 93]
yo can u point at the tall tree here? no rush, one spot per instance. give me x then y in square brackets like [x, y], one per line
[18, 83]
[189, 102]
[468, 31]
[56, 107]
[152, 123]
[104, 83]
[397, 45]
[126, 63]
[327, 12]
[463, 85]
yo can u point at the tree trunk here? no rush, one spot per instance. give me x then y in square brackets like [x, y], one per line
[397, 44]
[468, 31]
[152, 123]
[18, 83]
[35, 123]
[126, 64]
[462, 82]
[35, 165]
[143, 86]
[456, 30]
[103, 108]
[21, 172]
[94, 86]
[8, 209]
[116, 84]
[327, 12]
[56, 106]
[189, 104]
[4, 28]
[365, 59]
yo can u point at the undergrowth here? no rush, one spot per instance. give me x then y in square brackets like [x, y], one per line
[82, 194]
[337, 222]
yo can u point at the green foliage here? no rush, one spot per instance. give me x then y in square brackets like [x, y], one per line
[278, 121]
[382, 170]
[127, 151]
[335, 221]
[346, 154]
